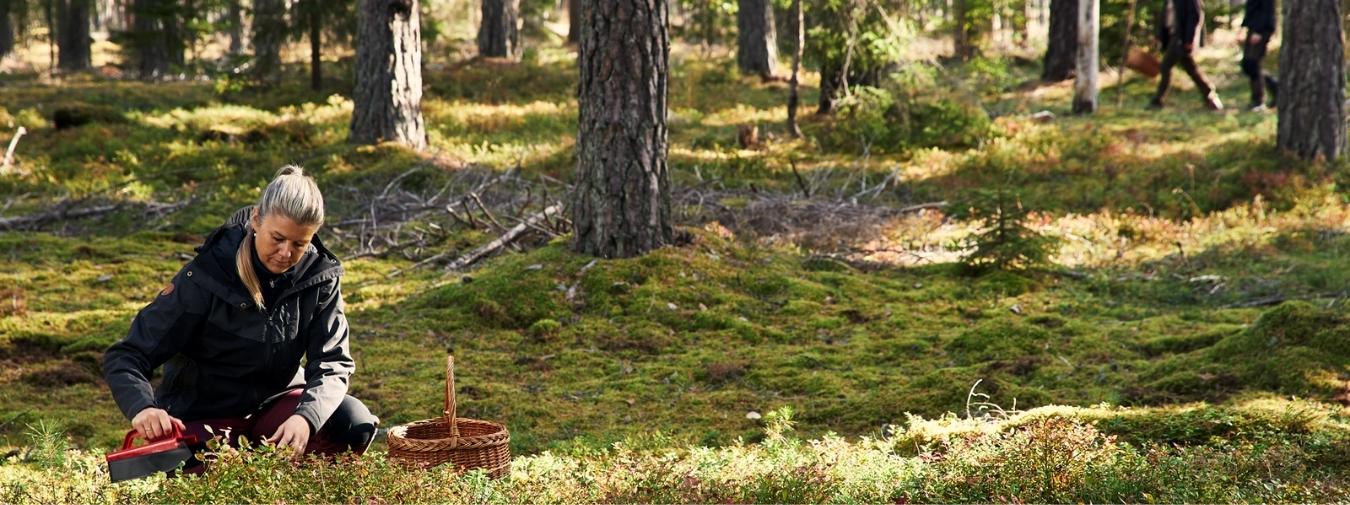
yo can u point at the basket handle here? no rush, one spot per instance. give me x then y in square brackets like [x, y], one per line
[450, 396]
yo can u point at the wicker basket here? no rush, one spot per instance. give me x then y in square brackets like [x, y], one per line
[468, 443]
[1141, 61]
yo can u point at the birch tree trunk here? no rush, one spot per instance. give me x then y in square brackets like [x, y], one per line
[1085, 84]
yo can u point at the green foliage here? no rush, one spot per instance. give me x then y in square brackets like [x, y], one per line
[865, 35]
[708, 22]
[47, 444]
[1004, 238]
[1046, 455]
[913, 111]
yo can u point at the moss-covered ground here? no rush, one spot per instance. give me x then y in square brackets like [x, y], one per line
[1202, 277]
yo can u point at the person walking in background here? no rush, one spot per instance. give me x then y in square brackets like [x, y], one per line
[1179, 33]
[1259, 20]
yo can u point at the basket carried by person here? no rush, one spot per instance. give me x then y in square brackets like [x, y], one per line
[1143, 62]
[468, 443]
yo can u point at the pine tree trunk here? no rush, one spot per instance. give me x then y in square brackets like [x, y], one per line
[269, 31]
[830, 82]
[961, 43]
[150, 44]
[499, 33]
[573, 20]
[621, 204]
[6, 29]
[234, 17]
[1311, 98]
[1085, 85]
[756, 47]
[73, 35]
[388, 94]
[1062, 46]
[315, 45]
[799, 36]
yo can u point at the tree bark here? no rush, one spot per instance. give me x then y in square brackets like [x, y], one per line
[1085, 84]
[756, 47]
[315, 44]
[573, 21]
[961, 43]
[388, 94]
[269, 31]
[6, 29]
[234, 17]
[73, 35]
[499, 32]
[1062, 46]
[152, 22]
[799, 36]
[1311, 98]
[621, 203]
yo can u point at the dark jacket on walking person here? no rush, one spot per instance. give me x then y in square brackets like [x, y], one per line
[1259, 16]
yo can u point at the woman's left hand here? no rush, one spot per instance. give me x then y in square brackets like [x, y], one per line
[293, 433]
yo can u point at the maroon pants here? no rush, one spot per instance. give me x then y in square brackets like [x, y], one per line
[260, 426]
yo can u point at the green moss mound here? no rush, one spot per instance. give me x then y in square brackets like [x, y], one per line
[1296, 348]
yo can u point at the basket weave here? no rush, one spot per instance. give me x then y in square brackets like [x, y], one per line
[1141, 61]
[467, 443]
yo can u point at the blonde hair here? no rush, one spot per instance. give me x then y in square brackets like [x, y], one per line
[291, 194]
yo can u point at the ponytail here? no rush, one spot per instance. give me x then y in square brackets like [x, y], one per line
[291, 194]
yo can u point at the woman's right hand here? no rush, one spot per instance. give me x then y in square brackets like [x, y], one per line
[154, 423]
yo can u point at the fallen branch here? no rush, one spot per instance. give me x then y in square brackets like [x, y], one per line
[63, 213]
[9, 153]
[922, 206]
[65, 210]
[507, 238]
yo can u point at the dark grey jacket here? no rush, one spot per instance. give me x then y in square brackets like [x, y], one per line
[1259, 16]
[225, 356]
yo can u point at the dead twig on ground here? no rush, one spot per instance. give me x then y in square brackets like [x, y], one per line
[510, 236]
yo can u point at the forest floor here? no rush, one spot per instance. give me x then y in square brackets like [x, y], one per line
[1199, 297]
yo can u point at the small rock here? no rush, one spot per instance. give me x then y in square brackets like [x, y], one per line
[1016, 309]
[918, 285]
[672, 306]
[103, 278]
[1044, 116]
[753, 416]
[535, 266]
[702, 307]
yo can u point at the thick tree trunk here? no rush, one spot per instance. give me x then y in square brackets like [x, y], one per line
[6, 29]
[73, 35]
[1311, 98]
[798, 35]
[1085, 85]
[388, 95]
[621, 204]
[756, 47]
[1062, 46]
[499, 33]
[234, 19]
[150, 18]
[269, 31]
[315, 45]
[573, 21]
[830, 82]
[962, 45]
